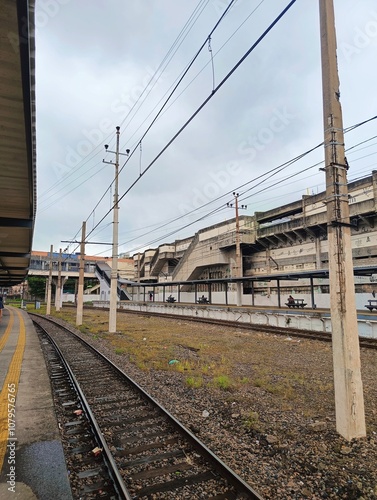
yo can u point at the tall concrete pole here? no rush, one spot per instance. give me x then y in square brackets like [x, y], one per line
[349, 400]
[80, 290]
[238, 255]
[114, 265]
[59, 286]
[46, 291]
[138, 276]
[48, 305]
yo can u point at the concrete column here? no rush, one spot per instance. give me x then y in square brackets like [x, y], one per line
[349, 399]
[374, 182]
[48, 305]
[317, 243]
[80, 291]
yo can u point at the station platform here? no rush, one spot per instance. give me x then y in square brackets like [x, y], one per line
[31, 455]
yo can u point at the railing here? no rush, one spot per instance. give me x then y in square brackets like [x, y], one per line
[122, 295]
[186, 255]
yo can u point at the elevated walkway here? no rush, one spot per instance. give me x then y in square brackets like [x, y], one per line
[103, 273]
[31, 455]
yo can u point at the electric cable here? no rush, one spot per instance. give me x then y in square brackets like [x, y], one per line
[172, 92]
[201, 5]
[273, 172]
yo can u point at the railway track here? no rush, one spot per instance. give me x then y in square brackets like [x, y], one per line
[124, 443]
[365, 342]
[368, 343]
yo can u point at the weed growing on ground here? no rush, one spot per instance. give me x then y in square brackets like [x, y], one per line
[194, 382]
[280, 387]
[251, 421]
[222, 382]
[219, 356]
[184, 366]
[244, 380]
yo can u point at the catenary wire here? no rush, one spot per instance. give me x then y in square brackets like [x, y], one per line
[223, 81]
[174, 89]
[201, 5]
[276, 169]
[278, 182]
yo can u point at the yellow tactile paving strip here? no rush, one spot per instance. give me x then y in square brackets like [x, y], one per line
[4, 338]
[12, 377]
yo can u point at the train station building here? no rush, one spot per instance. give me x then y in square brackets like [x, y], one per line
[289, 240]
[285, 240]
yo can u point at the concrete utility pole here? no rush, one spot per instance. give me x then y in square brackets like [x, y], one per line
[48, 305]
[138, 276]
[349, 401]
[239, 267]
[59, 286]
[114, 264]
[80, 291]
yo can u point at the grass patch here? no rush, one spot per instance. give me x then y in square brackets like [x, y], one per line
[184, 366]
[194, 382]
[217, 356]
[244, 380]
[222, 382]
[278, 386]
[251, 421]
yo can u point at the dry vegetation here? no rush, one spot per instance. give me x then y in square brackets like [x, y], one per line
[266, 391]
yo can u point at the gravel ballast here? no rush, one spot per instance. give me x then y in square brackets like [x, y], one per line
[268, 413]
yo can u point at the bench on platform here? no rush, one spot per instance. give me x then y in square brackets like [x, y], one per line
[297, 303]
[372, 304]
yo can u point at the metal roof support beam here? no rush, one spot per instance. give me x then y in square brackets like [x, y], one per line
[270, 240]
[15, 255]
[13, 222]
[13, 268]
[310, 232]
[299, 235]
[322, 228]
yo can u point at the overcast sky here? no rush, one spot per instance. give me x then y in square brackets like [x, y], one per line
[96, 58]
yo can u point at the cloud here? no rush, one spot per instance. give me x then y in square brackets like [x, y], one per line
[95, 59]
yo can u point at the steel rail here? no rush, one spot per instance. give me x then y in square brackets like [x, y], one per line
[235, 480]
[112, 467]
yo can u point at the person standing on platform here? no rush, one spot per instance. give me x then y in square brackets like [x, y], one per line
[1, 307]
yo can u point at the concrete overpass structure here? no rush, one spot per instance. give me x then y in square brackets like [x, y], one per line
[17, 139]
[284, 240]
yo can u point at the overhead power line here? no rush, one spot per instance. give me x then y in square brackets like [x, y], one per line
[154, 78]
[167, 100]
[272, 172]
[223, 81]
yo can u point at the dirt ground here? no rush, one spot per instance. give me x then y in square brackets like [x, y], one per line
[269, 399]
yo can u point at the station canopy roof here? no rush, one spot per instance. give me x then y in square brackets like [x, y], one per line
[315, 273]
[17, 139]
